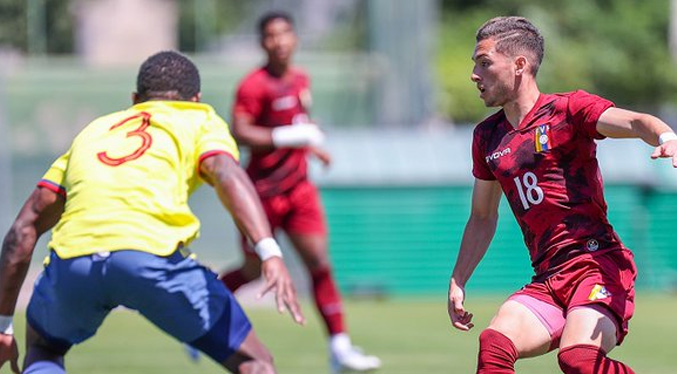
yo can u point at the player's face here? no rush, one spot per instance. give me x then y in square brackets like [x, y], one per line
[279, 41]
[493, 73]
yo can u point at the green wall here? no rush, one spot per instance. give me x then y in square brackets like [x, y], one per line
[404, 240]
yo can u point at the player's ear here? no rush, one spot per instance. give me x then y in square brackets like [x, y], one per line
[521, 64]
[135, 98]
[197, 97]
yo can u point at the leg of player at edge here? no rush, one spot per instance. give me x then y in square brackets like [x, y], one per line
[516, 332]
[313, 251]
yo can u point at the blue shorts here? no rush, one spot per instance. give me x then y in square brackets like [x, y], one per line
[72, 297]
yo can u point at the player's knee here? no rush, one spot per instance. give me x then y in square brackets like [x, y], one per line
[496, 351]
[579, 359]
[258, 366]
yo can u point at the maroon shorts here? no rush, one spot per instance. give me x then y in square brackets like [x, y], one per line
[297, 211]
[607, 279]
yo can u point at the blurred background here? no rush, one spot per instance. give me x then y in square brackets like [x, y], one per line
[391, 87]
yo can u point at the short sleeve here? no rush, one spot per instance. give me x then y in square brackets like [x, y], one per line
[480, 168]
[585, 110]
[216, 139]
[55, 178]
[248, 99]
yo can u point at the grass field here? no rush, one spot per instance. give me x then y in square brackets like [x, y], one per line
[411, 336]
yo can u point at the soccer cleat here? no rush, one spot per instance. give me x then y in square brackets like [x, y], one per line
[193, 353]
[353, 360]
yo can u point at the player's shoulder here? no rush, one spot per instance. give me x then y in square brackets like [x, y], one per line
[576, 95]
[490, 123]
[575, 100]
[253, 81]
[299, 72]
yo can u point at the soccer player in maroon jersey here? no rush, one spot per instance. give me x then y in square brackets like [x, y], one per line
[270, 116]
[539, 150]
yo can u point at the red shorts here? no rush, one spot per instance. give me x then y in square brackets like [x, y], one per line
[297, 211]
[607, 279]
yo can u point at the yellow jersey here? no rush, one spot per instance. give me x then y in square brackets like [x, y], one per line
[128, 175]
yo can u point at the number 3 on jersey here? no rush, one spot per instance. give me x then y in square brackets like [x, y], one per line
[146, 141]
[533, 195]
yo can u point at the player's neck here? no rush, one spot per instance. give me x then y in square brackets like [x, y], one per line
[515, 110]
[278, 69]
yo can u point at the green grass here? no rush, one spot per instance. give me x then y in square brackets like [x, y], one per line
[411, 336]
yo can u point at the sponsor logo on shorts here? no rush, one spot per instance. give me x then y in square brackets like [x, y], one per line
[592, 245]
[599, 292]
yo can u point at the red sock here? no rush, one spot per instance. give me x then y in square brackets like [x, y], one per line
[328, 300]
[497, 353]
[234, 280]
[589, 359]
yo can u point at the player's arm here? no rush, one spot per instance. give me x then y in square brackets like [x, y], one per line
[478, 233]
[237, 193]
[622, 123]
[299, 135]
[40, 213]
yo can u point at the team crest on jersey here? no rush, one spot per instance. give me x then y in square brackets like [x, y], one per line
[543, 138]
[592, 245]
[599, 292]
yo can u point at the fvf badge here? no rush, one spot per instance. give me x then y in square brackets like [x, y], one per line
[599, 292]
[543, 138]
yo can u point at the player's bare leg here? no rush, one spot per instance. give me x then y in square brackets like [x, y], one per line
[589, 334]
[251, 358]
[40, 357]
[515, 332]
[344, 356]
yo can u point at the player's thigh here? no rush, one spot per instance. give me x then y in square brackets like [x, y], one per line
[179, 295]
[312, 248]
[523, 328]
[592, 324]
[68, 303]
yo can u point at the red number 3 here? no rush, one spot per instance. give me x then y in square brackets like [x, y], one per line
[146, 141]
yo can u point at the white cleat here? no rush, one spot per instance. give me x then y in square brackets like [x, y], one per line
[353, 360]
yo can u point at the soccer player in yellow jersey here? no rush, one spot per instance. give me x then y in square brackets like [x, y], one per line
[117, 202]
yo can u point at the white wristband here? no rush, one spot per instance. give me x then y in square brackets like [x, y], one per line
[267, 248]
[666, 136]
[6, 326]
[297, 136]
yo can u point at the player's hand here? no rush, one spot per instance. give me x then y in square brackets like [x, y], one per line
[9, 352]
[321, 155]
[277, 279]
[460, 318]
[666, 150]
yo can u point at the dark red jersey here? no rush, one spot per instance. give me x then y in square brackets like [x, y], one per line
[548, 171]
[273, 101]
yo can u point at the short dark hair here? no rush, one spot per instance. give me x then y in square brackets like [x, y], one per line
[270, 17]
[168, 75]
[514, 35]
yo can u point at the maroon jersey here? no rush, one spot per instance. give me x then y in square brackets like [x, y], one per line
[273, 101]
[548, 171]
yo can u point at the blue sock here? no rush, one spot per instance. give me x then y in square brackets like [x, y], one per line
[45, 367]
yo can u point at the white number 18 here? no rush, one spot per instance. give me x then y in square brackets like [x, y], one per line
[533, 194]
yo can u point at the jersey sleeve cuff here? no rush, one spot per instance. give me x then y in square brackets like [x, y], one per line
[209, 154]
[54, 187]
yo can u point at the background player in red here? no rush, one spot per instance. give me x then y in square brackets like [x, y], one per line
[270, 116]
[539, 150]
